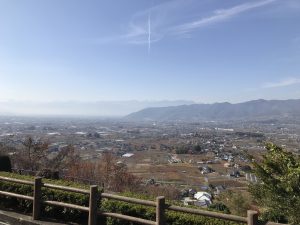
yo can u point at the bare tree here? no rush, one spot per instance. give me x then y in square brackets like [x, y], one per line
[33, 154]
[106, 167]
[65, 157]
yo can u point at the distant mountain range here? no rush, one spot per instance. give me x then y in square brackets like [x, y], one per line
[251, 110]
[80, 108]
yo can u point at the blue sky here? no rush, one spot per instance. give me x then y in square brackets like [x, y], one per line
[205, 51]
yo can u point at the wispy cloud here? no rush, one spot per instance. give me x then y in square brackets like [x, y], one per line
[282, 83]
[166, 21]
[220, 15]
[146, 29]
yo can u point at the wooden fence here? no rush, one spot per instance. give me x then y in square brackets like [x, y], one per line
[95, 196]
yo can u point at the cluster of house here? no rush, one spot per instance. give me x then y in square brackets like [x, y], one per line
[201, 198]
[174, 159]
[234, 169]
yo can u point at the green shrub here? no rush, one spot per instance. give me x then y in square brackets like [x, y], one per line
[272, 215]
[25, 206]
[219, 206]
[172, 218]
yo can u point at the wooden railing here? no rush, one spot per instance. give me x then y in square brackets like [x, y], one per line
[95, 196]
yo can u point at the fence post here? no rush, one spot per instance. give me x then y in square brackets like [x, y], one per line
[160, 210]
[252, 217]
[37, 195]
[93, 205]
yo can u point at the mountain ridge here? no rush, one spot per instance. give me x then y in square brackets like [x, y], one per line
[254, 109]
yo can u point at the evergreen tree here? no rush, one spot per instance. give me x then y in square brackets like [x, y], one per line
[278, 188]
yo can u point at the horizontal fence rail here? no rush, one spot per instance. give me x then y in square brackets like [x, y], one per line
[9, 194]
[222, 216]
[16, 180]
[129, 200]
[95, 198]
[128, 218]
[64, 188]
[67, 205]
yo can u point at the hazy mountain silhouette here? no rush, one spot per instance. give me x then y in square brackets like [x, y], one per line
[78, 108]
[255, 109]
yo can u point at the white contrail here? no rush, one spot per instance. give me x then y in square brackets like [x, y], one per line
[149, 33]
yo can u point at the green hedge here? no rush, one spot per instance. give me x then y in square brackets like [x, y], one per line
[173, 218]
[54, 212]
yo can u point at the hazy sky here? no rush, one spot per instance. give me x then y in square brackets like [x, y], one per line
[201, 50]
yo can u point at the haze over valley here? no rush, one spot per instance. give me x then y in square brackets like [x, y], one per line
[81, 108]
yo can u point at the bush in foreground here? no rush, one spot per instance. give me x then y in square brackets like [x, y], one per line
[173, 218]
[278, 189]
